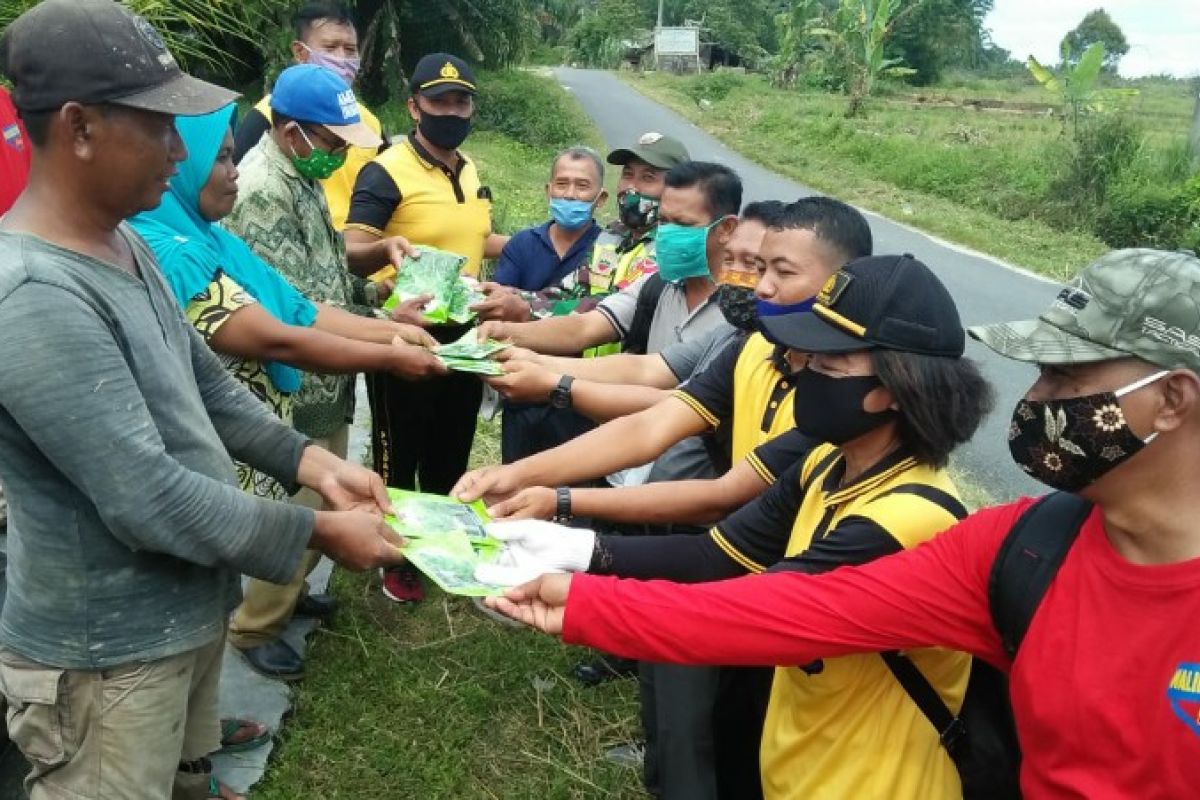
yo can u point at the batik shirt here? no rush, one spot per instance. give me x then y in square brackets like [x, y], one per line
[207, 312]
[284, 218]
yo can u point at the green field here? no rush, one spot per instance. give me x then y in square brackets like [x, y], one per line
[973, 161]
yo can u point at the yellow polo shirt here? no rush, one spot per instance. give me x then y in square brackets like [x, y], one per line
[845, 727]
[406, 192]
[747, 387]
[340, 185]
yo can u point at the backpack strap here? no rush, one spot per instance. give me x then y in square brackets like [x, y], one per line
[951, 730]
[1029, 559]
[638, 338]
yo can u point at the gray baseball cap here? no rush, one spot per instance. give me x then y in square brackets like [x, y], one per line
[98, 51]
[1139, 303]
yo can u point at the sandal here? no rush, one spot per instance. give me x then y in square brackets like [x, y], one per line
[221, 791]
[230, 728]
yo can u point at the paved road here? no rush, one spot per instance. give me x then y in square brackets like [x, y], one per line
[985, 290]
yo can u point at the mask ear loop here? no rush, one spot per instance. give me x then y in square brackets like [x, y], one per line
[1143, 383]
[307, 141]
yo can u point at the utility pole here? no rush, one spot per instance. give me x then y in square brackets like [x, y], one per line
[1195, 137]
[660, 10]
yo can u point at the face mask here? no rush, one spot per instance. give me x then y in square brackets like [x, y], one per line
[764, 308]
[1069, 444]
[831, 409]
[737, 306]
[682, 251]
[446, 131]
[570, 214]
[344, 68]
[317, 165]
[636, 210]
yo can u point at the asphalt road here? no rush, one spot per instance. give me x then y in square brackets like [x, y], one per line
[985, 290]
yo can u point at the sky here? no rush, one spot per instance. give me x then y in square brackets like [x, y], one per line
[1163, 35]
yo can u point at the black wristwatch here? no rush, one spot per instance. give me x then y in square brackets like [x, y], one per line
[560, 396]
[562, 505]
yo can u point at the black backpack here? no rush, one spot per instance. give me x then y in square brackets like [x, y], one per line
[982, 739]
[637, 340]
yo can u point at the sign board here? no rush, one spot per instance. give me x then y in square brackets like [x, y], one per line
[677, 42]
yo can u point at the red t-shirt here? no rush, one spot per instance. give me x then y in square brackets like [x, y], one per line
[14, 153]
[1105, 686]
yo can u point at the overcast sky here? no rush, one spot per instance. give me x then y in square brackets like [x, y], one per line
[1163, 35]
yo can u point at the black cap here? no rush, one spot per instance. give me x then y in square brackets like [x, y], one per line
[893, 302]
[438, 73]
[97, 51]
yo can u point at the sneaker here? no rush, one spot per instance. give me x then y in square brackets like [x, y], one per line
[631, 756]
[403, 584]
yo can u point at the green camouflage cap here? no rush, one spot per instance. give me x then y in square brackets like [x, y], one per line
[1140, 303]
[656, 149]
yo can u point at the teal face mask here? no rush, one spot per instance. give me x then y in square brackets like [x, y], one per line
[682, 251]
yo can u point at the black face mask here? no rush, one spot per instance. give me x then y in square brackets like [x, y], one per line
[446, 131]
[831, 409]
[737, 304]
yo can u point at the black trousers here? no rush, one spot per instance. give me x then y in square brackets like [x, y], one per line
[529, 429]
[422, 431]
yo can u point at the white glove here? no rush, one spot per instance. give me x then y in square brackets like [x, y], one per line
[534, 547]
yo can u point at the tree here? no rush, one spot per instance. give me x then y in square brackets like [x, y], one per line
[941, 33]
[1075, 85]
[597, 39]
[1098, 26]
[860, 32]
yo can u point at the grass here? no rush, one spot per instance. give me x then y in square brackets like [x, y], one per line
[922, 158]
[436, 701]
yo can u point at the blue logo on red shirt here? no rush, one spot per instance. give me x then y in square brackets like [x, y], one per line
[12, 137]
[1184, 694]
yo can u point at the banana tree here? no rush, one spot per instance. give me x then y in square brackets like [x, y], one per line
[862, 28]
[1076, 83]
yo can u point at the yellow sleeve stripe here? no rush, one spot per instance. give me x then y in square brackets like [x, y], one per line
[371, 229]
[734, 553]
[699, 408]
[754, 461]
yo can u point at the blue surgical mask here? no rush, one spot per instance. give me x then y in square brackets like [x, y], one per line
[570, 214]
[765, 308]
[682, 251]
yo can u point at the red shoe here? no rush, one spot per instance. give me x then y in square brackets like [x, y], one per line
[403, 584]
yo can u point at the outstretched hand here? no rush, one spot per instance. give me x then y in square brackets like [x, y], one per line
[540, 604]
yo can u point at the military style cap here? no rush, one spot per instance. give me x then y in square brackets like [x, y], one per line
[1141, 303]
[98, 51]
[438, 73]
[656, 149]
[889, 302]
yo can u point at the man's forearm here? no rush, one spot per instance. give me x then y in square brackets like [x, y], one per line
[620, 444]
[603, 402]
[351, 326]
[696, 502]
[365, 253]
[622, 368]
[563, 336]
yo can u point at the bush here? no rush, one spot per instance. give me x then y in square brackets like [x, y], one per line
[713, 86]
[530, 108]
[1152, 215]
[1104, 148]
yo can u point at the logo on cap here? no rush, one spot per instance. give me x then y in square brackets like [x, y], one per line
[650, 138]
[449, 71]
[1072, 300]
[349, 104]
[834, 287]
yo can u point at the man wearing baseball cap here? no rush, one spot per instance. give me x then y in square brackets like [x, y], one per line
[127, 531]
[1106, 689]
[424, 191]
[282, 214]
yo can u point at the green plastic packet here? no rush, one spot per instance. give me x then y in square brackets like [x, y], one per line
[435, 273]
[447, 539]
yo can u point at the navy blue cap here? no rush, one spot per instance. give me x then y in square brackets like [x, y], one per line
[312, 94]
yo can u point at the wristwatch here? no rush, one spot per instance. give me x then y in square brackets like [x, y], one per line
[560, 396]
[562, 505]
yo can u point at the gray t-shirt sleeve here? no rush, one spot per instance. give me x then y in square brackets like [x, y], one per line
[684, 358]
[248, 429]
[621, 307]
[71, 392]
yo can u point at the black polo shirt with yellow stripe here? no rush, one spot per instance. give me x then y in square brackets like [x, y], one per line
[746, 393]
[844, 727]
[407, 192]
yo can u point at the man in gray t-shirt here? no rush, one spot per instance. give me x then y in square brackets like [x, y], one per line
[127, 530]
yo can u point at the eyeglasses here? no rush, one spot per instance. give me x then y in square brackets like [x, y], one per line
[340, 148]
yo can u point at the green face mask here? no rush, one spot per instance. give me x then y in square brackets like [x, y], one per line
[317, 165]
[682, 251]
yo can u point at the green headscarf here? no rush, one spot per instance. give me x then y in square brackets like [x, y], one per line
[192, 251]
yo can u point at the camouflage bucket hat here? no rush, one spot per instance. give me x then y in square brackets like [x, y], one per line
[1140, 303]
